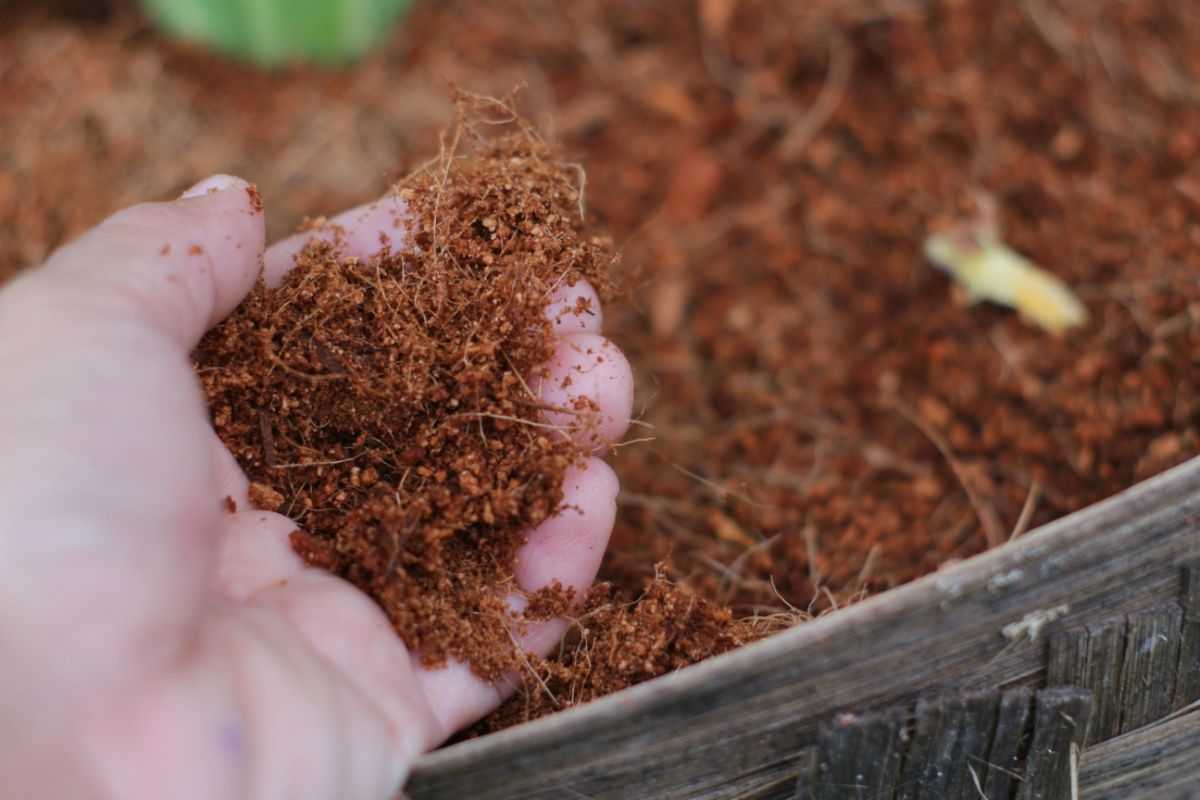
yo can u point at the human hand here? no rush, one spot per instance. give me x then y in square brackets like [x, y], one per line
[155, 645]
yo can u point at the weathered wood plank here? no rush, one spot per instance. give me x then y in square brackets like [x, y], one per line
[1187, 683]
[1092, 657]
[947, 756]
[953, 732]
[1060, 724]
[1068, 655]
[976, 723]
[1151, 658]
[856, 758]
[1000, 778]
[733, 726]
[921, 755]
[810, 772]
[1157, 760]
[1106, 654]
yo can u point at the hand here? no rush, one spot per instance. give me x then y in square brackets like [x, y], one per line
[155, 645]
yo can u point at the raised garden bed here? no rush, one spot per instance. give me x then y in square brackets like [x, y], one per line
[756, 723]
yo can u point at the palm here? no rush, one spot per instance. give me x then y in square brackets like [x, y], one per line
[220, 665]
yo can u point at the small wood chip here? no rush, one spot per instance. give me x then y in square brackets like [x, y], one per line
[264, 497]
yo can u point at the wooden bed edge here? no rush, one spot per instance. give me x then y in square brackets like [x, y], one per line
[1108, 526]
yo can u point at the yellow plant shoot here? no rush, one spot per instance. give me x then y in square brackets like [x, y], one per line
[988, 269]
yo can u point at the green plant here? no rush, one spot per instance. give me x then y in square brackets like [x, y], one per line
[272, 32]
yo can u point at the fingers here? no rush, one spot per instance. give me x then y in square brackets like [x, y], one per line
[363, 231]
[567, 548]
[575, 308]
[589, 379]
[232, 483]
[175, 267]
[254, 551]
[107, 486]
[588, 384]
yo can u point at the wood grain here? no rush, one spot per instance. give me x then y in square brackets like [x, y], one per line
[957, 746]
[945, 762]
[1012, 719]
[1060, 722]
[856, 758]
[963, 762]
[1151, 659]
[1159, 761]
[1187, 679]
[735, 726]
[1092, 657]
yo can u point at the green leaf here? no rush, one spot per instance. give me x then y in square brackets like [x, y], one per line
[272, 32]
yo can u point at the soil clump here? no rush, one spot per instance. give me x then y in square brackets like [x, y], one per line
[384, 402]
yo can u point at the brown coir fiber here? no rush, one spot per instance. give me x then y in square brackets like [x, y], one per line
[383, 403]
[618, 641]
[770, 169]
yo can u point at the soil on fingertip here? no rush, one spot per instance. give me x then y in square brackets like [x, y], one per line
[382, 400]
[829, 421]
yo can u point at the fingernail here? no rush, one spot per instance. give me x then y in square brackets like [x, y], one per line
[216, 183]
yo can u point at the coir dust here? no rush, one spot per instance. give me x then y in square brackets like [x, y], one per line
[383, 402]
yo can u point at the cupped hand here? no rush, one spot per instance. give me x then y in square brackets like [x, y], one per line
[155, 645]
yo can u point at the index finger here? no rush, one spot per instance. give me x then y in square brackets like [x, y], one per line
[362, 230]
[572, 307]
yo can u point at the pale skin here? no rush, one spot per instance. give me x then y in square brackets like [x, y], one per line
[156, 645]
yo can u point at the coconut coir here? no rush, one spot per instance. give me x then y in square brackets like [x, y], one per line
[770, 169]
[384, 403]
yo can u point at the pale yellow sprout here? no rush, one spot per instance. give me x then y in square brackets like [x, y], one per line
[988, 269]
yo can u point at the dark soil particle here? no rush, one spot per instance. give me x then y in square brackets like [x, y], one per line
[828, 420]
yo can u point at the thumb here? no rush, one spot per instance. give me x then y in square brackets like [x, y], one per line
[107, 486]
[179, 266]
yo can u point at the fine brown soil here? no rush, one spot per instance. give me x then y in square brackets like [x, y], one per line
[828, 419]
[384, 404]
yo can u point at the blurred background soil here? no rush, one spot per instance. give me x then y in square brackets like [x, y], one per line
[827, 418]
